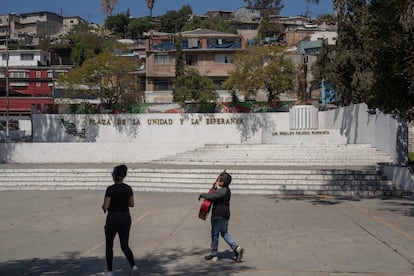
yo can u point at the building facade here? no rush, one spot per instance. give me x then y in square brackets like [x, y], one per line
[210, 52]
[27, 79]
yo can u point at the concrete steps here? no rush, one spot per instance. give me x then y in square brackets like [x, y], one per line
[297, 181]
[282, 155]
[340, 170]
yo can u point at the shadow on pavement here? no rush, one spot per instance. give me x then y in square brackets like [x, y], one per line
[400, 206]
[179, 261]
[321, 200]
[69, 266]
[174, 261]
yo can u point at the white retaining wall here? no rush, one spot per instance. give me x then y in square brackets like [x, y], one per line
[360, 126]
[63, 138]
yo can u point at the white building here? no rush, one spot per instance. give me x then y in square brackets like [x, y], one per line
[324, 35]
[21, 58]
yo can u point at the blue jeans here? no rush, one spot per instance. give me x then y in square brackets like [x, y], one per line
[219, 226]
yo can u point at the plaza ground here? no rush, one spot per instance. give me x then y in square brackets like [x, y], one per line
[61, 233]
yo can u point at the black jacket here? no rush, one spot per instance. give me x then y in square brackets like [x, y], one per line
[221, 202]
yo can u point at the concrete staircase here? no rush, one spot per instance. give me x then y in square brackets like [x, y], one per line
[290, 181]
[340, 170]
[282, 155]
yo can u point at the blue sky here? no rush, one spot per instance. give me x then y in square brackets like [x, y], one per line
[91, 10]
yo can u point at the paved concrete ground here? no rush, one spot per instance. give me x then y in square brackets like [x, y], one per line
[61, 233]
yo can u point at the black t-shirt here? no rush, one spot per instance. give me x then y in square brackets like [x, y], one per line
[119, 194]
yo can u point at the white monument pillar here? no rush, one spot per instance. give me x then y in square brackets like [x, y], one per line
[302, 117]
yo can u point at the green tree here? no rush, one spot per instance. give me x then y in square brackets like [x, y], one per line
[174, 21]
[393, 55]
[268, 7]
[350, 66]
[261, 67]
[327, 18]
[268, 28]
[191, 87]
[104, 76]
[118, 24]
[212, 23]
[85, 44]
[180, 57]
[372, 61]
[138, 26]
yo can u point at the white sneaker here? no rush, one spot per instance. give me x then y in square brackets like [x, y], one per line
[239, 254]
[135, 271]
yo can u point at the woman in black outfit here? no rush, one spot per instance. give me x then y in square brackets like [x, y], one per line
[118, 198]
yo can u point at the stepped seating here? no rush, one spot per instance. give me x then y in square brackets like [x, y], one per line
[299, 181]
[282, 155]
[344, 170]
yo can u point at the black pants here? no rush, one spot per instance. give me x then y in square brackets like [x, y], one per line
[118, 223]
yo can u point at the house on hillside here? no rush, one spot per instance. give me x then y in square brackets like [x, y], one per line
[31, 27]
[30, 78]
[247, 22]
[208, 51]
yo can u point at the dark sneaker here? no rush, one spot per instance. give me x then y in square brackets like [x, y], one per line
[211, 258]
[239, 254]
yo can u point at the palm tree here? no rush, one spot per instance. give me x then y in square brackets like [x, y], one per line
[108, 6]
[150, 5]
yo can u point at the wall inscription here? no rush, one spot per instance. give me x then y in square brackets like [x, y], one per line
[70, 127]
[301, 133]
[165, 121]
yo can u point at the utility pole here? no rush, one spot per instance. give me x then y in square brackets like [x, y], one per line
[7, 80]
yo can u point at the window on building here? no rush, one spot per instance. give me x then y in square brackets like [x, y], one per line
[55, 74]
[26, 56]
[162, 59]
[38, 74]
[19, 74]
[223, 58]
[2, 74]
[162, 85]
[4, 56]
[19, 84]
[38, 84]
[191, 60]
[218, 83]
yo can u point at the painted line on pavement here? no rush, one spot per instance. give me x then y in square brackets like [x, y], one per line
[386, 223]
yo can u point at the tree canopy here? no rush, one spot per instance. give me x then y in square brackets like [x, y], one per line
[261, 67]
[267, 6]
[212, 23]
[372, 60]
[104, 76]
[118, 24]
[191, 87]
[84, 45]
[174, 21]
